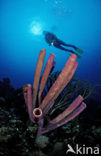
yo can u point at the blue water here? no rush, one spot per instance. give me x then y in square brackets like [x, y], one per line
[76, 22]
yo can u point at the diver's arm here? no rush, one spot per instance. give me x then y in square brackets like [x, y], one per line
[50, 39]
[51, 44]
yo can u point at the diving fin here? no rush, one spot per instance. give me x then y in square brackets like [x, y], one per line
[79, 51]
[78, 56]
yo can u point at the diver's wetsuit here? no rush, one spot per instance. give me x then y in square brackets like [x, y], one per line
[59, 44]
[51, 39]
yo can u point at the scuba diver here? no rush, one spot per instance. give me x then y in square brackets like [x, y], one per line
[51, 39]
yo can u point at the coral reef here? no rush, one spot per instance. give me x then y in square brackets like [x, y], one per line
[18, 134]
[38, 107]
[42, 141]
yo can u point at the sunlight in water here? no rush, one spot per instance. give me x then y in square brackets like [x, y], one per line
[36, 28]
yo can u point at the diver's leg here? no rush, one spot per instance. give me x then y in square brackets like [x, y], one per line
[62, 48]
[68, 45]
[72, 46]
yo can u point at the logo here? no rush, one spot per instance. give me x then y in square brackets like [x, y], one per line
[82, 150]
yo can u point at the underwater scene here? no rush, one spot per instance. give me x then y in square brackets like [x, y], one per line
[50, 77]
